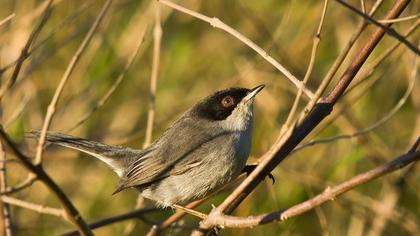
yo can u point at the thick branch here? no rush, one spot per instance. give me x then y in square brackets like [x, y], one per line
[329, 194]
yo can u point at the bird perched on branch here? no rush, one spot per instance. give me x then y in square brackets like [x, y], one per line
[204, 149]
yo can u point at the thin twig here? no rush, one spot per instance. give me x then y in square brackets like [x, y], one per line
[18, 110]
[157, 36]
[215, 22]
[365, 75]
[5, 209]
[32, 37]
[30, 179]
[401, 19]
[61, 25]
[362, 3]
[385, 118]
[316, 41]
[389, 31]
[7, 19]
[72, 215]
[52, 106]
[399, 216]
[329, 194]
[34, 207]
[158, 228]
[104, 99]
[114, 219]
[337, 63]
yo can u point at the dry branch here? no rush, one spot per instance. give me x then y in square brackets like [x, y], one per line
[52, 106]
[71, 212]
[215, 22]
[23, 55]
[280, 150]
[330, 193]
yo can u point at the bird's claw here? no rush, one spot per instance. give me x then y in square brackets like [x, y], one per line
[249, 168]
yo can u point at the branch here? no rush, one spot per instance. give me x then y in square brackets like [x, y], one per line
[30, 179]
[61, 25]
[215, 22]
[330, 193]
[281, 149]
[6, 223]
[385, 118]
[115, 219]
[32, 37]
[71, 212]
[157, 36]
[316, 40]
[34, 207]
[66, 76]
[158, 228]
[339, 60]
[7, 19]
[104, 99]
[389, 31]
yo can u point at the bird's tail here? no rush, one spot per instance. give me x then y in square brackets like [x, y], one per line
[116, 157]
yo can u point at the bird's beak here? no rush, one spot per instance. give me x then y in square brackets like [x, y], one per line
[253, 92]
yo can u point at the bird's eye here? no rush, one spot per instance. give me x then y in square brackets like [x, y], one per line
[228, 101]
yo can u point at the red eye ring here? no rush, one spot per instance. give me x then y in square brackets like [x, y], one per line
[228, 101]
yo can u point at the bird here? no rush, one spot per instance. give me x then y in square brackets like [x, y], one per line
[204, 149]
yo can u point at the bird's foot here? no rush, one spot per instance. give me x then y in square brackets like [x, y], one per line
[249, 168]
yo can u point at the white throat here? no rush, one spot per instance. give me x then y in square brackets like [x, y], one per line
[241, 118]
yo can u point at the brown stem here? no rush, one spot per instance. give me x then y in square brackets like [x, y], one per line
[330, 193]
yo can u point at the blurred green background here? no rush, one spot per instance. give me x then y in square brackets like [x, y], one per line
[195, 60]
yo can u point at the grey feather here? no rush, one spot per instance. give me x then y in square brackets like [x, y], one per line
[117, 157]
[204, 149]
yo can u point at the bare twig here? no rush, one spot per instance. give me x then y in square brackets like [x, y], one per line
[18, 110]
[316, 40]
[104, 99]
[337, 63]
[56, 28]
[399, 216]
[114, 219]
[157, 35]
[66, 76]
[22, 185]
[385, 118]
[5, 209]
[362, 3]
[158, 228]
[365, 75]
[215, 22]
[32, 37]
[34, 207]
[401, 19]
[330, 193]
[389, 31]
[71, 212]
[280, 150]
[7, 19]
[190, 211]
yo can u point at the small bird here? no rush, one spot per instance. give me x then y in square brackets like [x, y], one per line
[207, 147]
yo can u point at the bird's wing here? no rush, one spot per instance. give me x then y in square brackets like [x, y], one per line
[179, 149]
